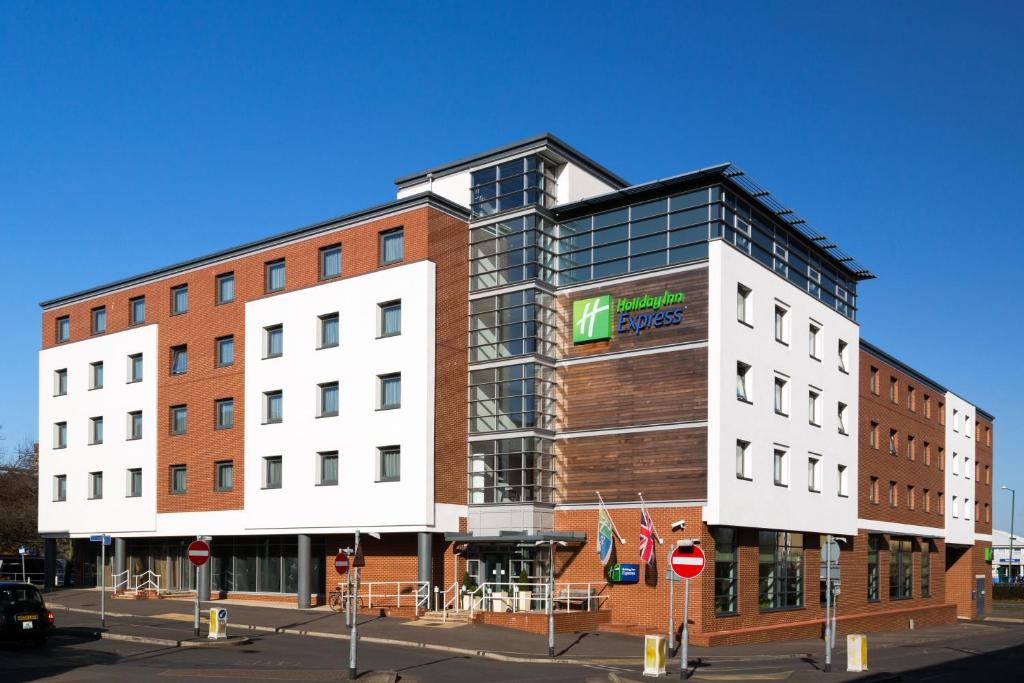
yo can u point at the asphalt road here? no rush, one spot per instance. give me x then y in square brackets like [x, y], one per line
[968, 651]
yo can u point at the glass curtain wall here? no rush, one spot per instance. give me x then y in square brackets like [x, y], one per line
[519, 249]
[519, 470]
[511, 397]
[512, 324]
[513, 184]
[781, 565]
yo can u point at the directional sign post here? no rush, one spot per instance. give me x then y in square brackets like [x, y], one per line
[104, 541]
[687, 561]
[198, 555]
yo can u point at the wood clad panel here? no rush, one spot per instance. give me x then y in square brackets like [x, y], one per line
[664, 465]
[694, 327]
[636, 390]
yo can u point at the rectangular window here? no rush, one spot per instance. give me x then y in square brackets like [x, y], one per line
[99, 320]
[179, 359]
[911, 447]
[780, 467]
[328, 471]
[873, 382]
[894, 442]
[894, 494]
[225, 287]
[844, 356]
[225, 351]
[224, 475]
[96, 375]
[726, 571]
[927, 454]
[844, 481]
[390, 318]
[911, 399]
[744, 467]
[873, 490]
[272, 472]
[956, 508]
[743, 305]
[328, 399]
[390, 391]
[742, 382]
[988, 474]
[927, 406]
[874, 542]
[137, 310]
[392, 246]
[95, 485]
[60, 435]
[901, 569]
[273, 407]
[135, 368]
[814, 341]
[814, 408]
[926, 569]
[942, 413]
[274, 276]
[941, 457]
[988, 513]
[873, 434]
[780, 570]
[814, 475]
[60, 382]
[894, 390]
[328, 331]
[389, 463]
[942, 503]
[911, 497]
[95, 430]
[134, 483]
[63, 329]
[273, 341]
[781, 396]
[179, 419]
[956, 465]
[179, 480]
[134, 425]
[927, 500]
[179, 299]
[781, 325]
[330, 261]
[967, 508]
[842, 415]
[224, 413]
[60, 488]
[956, 420]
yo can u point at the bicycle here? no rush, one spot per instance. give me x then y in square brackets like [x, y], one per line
[339, 597]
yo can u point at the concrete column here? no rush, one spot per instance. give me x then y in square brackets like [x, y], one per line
[424, 553]
[120, 557]
[305, 571]
[204, 574]
[49, 563]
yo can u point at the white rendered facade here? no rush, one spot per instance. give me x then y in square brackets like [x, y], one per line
[960, 460]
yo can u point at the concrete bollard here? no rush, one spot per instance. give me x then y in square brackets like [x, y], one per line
[654, 655]
[856, 652]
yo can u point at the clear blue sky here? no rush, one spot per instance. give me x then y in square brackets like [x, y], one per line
[137, 134]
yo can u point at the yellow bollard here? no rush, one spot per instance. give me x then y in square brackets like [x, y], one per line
[654, 655]
[856, 652]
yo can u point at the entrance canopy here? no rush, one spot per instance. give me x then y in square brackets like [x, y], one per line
[568, 537]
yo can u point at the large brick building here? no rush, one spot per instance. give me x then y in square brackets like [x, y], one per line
[473, 370]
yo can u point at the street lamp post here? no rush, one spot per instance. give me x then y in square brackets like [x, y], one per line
[1013, 506]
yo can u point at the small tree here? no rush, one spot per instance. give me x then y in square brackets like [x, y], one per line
[524, 580]
[468, 583]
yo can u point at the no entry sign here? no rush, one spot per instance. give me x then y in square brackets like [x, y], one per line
[341, 563]
[198, 552]
[687, 561]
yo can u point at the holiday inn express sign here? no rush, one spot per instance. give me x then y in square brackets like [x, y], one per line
[594, 318]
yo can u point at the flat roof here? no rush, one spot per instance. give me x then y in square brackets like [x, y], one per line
[536, 142]
[412, 202]
[919, 376]
[726, 172]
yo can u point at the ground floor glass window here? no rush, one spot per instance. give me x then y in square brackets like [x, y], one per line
[780, 570]
[725, 570]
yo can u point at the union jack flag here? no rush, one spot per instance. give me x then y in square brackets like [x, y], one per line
[646, 537]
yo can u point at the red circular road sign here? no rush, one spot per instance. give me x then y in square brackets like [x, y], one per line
[341, 563]
[198, 552]
[687, 561]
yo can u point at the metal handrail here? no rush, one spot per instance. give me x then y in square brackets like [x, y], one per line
[590, 593]
[118, 583]
[149, 583]
[371, 590]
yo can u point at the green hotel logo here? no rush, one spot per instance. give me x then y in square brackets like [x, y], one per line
[592, 319]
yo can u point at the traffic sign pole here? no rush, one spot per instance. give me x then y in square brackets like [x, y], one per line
[671, 608]
[687, 560]
[353, 636]
[198, 554]
[684, 658]
[828, 603]
[103, 584]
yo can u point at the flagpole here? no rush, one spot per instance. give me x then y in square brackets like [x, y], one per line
[622, 539]
[643, 502]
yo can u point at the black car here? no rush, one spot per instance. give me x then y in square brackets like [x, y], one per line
[23, 614]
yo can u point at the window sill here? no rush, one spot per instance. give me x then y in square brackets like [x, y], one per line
[270, 488]
[133, 495]
[745, 400]
[327, 415]
[136, 323]
[272, 422]
[59, 395]
[844, 371]
[174, 313]
[95, 443]
[387, 481]
[781, 485]
[179, 374]
[59, 448]
[784, 343]
[742, 478]
[779, 609]
[133, 381]
[329, 346]
[328, 278]
[223, 303]
[134, 438]
[272, 357]
[220, 490]
[745, 323]
[178, 433]
[328, 483]
[384, 408]
[223, 365]
[815, 358]
[814, 424]
[393, 262]
[388, 336]
[726, 614]
[220, 428]
[95, 388]
[781, 414]
[60, 500]
[96, 334]
[844, 495]
[842, 433]
[178, 493]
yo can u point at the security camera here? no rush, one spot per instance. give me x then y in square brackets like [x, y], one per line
[679, 526]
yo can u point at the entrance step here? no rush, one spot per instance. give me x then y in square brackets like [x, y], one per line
[439, 617]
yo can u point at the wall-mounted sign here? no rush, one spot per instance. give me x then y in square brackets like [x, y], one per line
[624, 573]
[592, 319]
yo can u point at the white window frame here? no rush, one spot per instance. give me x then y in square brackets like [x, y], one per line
[780, 395]
[843, 351]
[814, 406]
[744, 460]
[744, 304]
[780, 465]
[743, 389]
[843, 481]
[814, 338]
[843, 416]
[781, 322]
[814, 473]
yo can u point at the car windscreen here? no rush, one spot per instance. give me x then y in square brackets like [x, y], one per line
[20, 595]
